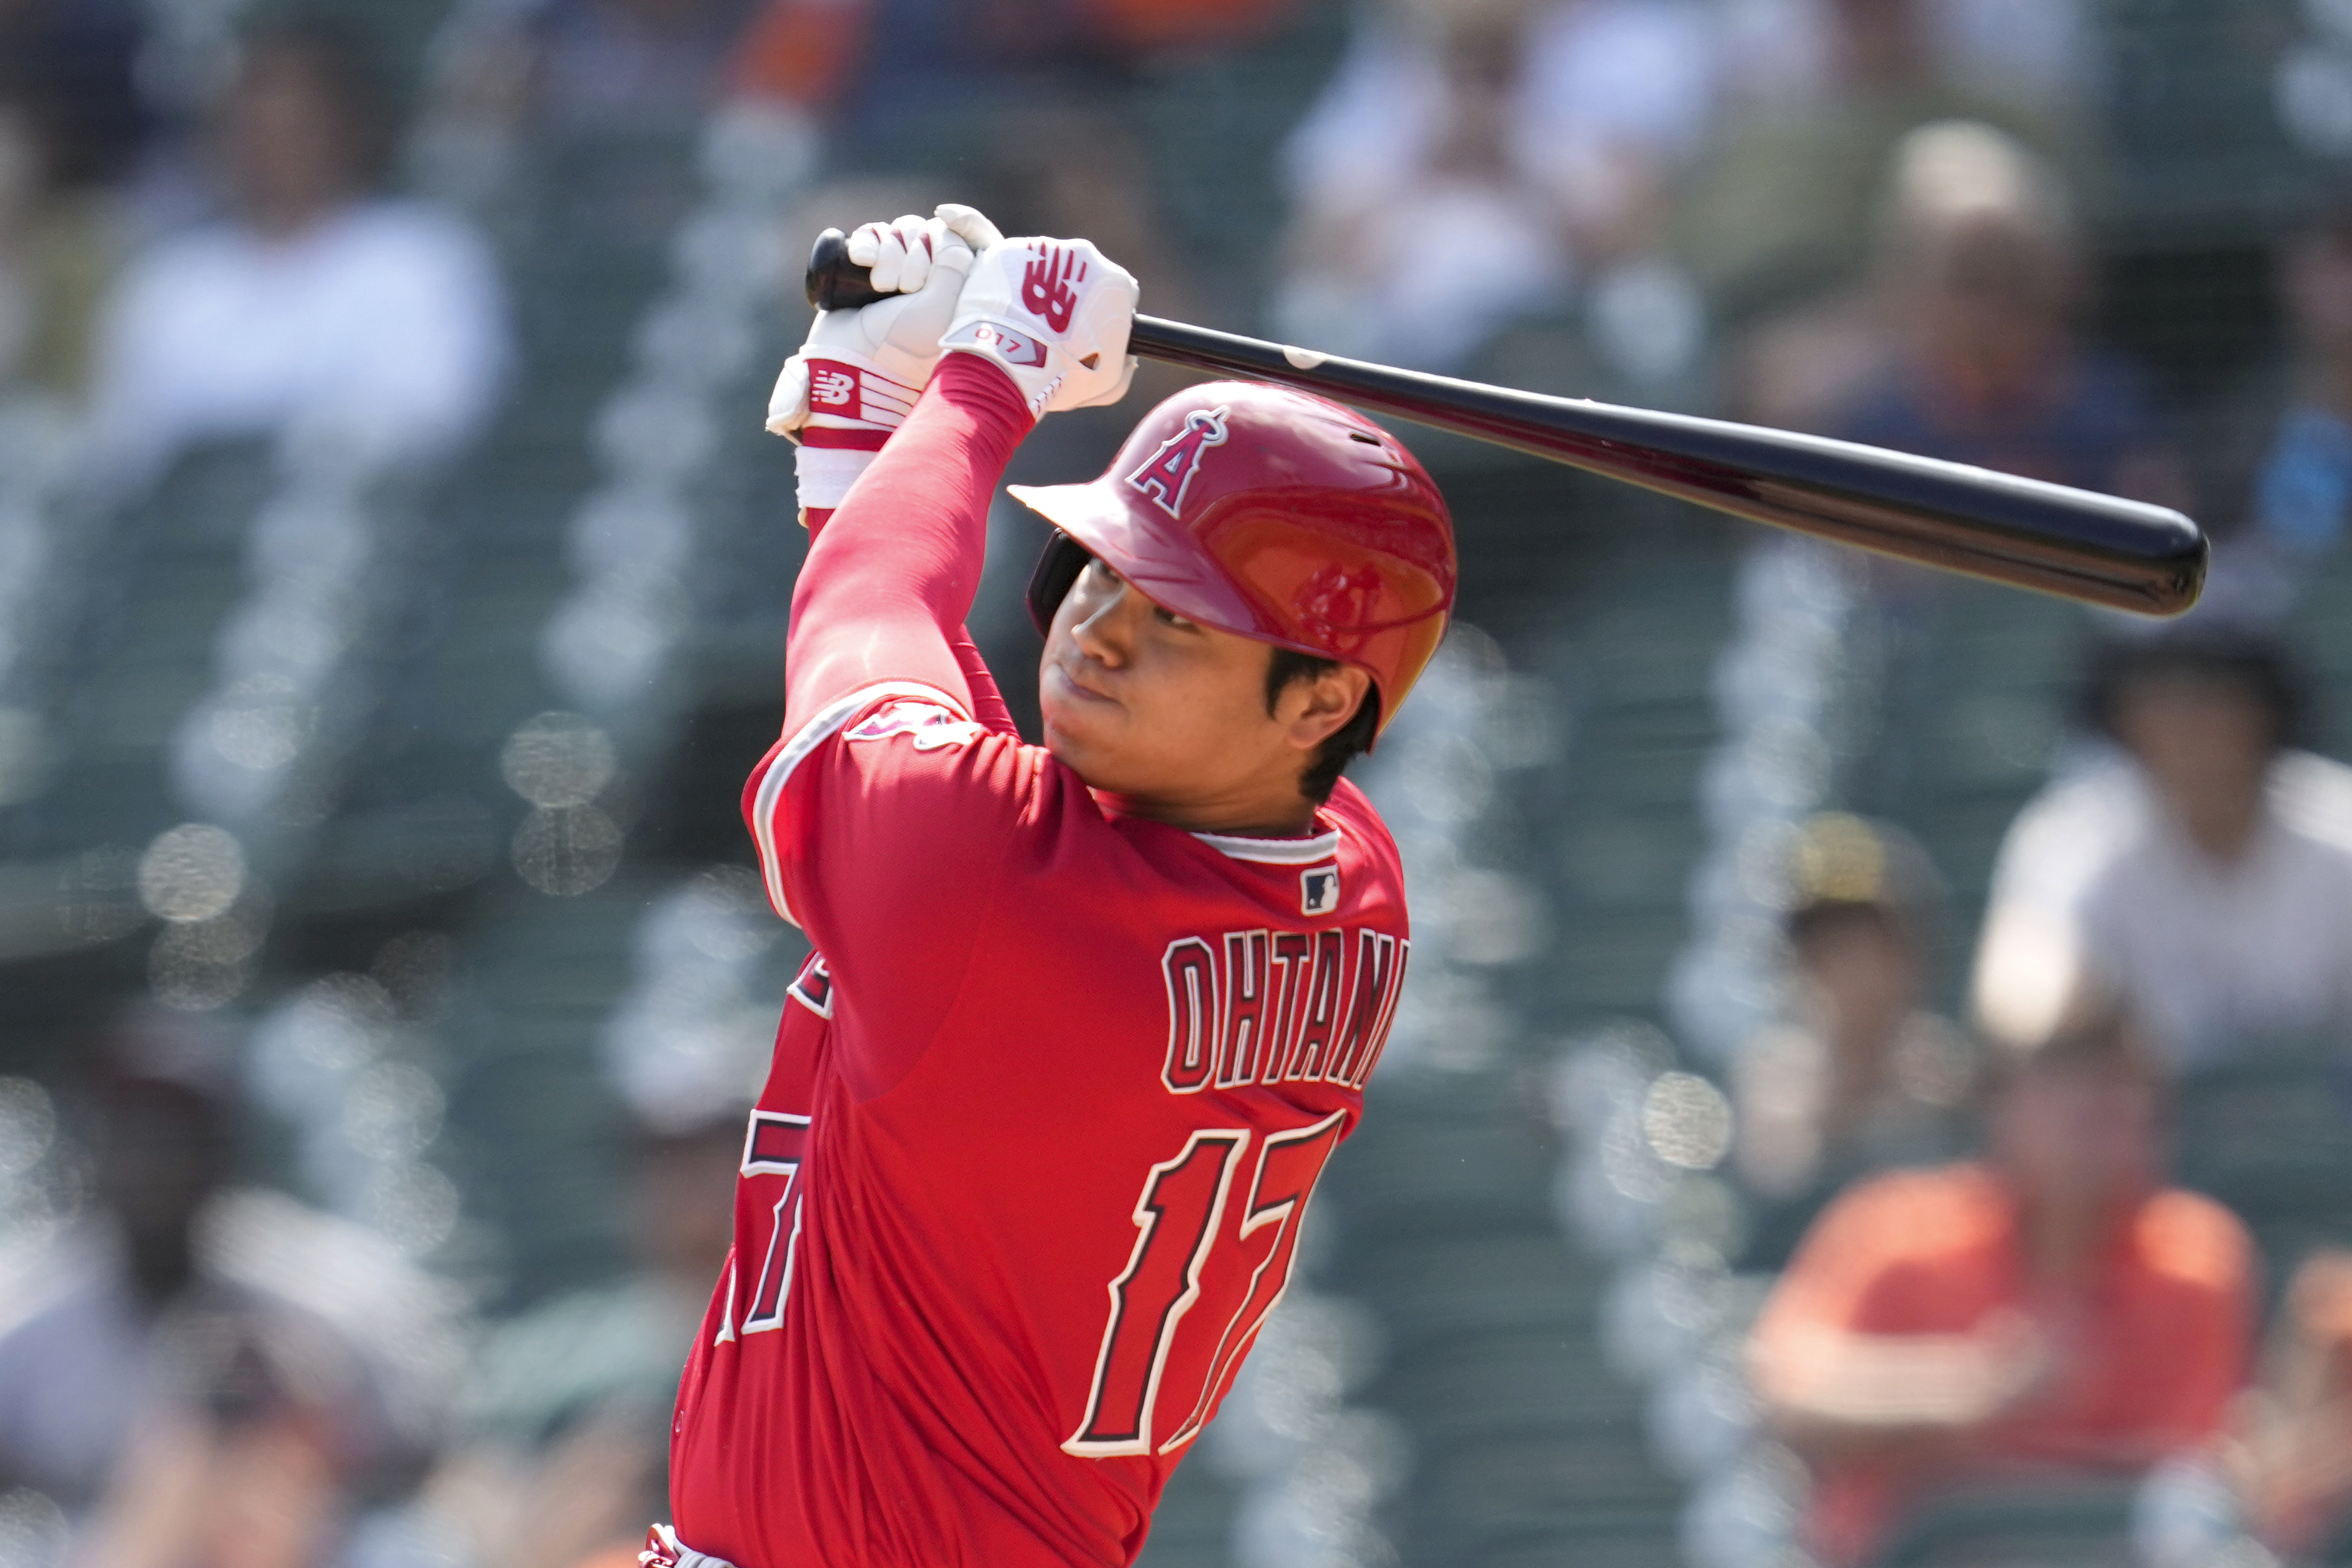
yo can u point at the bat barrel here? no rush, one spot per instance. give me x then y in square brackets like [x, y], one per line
[2103, 550]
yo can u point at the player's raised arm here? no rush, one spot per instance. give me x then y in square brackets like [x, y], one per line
[1037, 325]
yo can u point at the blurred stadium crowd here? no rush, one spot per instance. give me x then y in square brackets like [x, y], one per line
[1877, 1080]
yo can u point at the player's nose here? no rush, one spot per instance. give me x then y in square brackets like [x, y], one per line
[1105, 634]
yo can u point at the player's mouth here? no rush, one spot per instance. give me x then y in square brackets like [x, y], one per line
[1058, 676]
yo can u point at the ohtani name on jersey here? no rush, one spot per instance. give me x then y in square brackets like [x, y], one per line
[1279, 1007]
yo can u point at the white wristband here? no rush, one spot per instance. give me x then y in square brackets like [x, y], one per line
[826, 472]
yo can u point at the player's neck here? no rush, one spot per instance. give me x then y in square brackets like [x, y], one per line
[1253, 814]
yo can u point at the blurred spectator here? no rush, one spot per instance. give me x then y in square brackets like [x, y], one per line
[2050, 1311]
[319, 306]
[1982, 269]
[597, 68]
[59, 231]
[2204, 868]
[611, 64]
[2293, 1459]
[1964, 348]
[2275, 454]
[1780, 212]
[1529, 139]
[567, 1409]
[184, 1374]
[1026, 112]
[74, 65]
[1864, 1077]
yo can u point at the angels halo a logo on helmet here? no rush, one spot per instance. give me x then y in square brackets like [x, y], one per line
[1168, 473]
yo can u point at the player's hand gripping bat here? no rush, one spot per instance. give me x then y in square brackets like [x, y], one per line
[2077, 544]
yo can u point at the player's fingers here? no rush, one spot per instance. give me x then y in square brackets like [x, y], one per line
[890, 259]
[788, 402]
[864, 247]
[969, 225]
[922, 248]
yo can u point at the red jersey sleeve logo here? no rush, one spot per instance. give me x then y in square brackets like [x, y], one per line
[930, 726]
[1168, 473]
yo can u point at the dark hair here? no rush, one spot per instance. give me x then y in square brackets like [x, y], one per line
[1342, 744]
[2255, 665]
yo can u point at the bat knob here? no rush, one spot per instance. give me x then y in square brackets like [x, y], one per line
[833, 281]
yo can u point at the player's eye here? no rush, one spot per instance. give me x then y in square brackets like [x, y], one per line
[1170, 618]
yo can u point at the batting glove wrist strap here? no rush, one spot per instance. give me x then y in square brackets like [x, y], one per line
[1054, 314]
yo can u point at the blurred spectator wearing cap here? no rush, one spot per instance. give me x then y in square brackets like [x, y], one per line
[1538, 136]
[318, 307]
[2203, 866]
[564, 1446]
[201, 1376]
[1780, 212]
[2051, 1310]
[1862, 1077]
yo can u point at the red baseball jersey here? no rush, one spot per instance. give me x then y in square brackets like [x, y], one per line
[1048, 1102]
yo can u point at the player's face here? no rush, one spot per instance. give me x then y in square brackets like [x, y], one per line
[1173, 716]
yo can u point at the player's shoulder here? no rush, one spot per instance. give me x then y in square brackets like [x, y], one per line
[1361, 829]
[879, 729]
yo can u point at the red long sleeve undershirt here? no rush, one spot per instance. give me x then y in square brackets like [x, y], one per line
[891, 574]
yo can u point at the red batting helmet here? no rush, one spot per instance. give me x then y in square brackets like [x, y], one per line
[1271, 514]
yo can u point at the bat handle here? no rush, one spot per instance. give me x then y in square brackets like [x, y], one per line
[833, 281]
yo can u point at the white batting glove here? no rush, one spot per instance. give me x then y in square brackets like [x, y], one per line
[859, 372]
[1055, 314]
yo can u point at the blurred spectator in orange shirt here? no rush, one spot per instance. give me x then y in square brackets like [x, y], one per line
[2050, 1311]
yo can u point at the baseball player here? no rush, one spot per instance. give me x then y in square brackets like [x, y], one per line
[1083, 1020]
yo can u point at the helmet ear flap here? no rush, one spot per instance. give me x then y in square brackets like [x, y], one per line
[1058, 571]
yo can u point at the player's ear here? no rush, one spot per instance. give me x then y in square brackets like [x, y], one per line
[1316, 707]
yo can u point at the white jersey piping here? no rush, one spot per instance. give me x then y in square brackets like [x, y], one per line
[1274, 852]
[812, 735]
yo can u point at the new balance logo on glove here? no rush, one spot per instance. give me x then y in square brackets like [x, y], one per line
[1045, 283]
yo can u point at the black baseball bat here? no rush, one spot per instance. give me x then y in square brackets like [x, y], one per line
[2077, 544]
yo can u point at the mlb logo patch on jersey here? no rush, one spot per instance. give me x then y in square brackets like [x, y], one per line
[1319, 890]
[928, 725]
